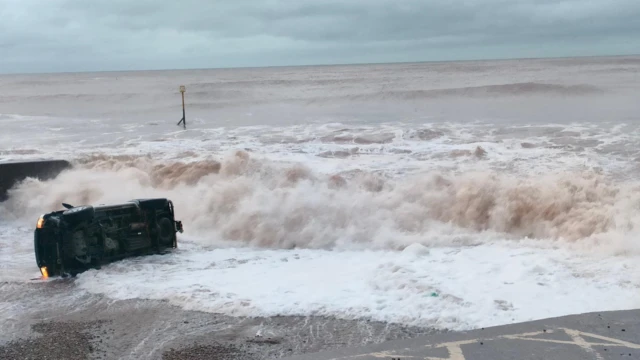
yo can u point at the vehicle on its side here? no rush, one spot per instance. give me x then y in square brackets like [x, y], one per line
[70, 241]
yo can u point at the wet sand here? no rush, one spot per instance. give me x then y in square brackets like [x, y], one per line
[99, 328]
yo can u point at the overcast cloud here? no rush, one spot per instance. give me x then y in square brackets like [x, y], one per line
[85, 35]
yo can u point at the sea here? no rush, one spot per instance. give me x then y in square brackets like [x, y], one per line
[447, 195]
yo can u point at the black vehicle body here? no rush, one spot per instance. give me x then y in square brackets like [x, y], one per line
[70, 241]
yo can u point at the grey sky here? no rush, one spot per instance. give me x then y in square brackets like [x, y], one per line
[85, 35]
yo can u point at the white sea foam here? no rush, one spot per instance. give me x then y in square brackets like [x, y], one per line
[447, 288]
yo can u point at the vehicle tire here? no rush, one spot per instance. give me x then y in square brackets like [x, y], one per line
[78, 214]
[166, 231]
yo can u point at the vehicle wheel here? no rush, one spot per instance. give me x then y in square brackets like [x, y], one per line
[165, 231]
[78, 214]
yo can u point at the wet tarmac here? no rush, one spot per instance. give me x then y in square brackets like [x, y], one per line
[597, 336]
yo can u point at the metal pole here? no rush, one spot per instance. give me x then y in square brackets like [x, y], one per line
[184, 118]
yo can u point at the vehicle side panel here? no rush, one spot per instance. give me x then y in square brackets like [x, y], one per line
[105, 234]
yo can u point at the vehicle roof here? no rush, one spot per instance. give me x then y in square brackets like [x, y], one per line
[124, 204]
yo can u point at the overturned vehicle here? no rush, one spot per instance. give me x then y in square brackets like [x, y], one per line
[70, 241]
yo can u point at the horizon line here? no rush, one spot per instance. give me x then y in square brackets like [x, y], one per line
[321, 64]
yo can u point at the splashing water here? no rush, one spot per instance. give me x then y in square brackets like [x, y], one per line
[257, 202]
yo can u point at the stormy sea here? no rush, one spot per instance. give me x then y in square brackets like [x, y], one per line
[328, 206]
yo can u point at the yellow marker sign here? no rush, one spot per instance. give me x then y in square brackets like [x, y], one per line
[182, 88]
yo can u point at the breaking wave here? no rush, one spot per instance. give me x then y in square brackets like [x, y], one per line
[267, 204]
[483, 91]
